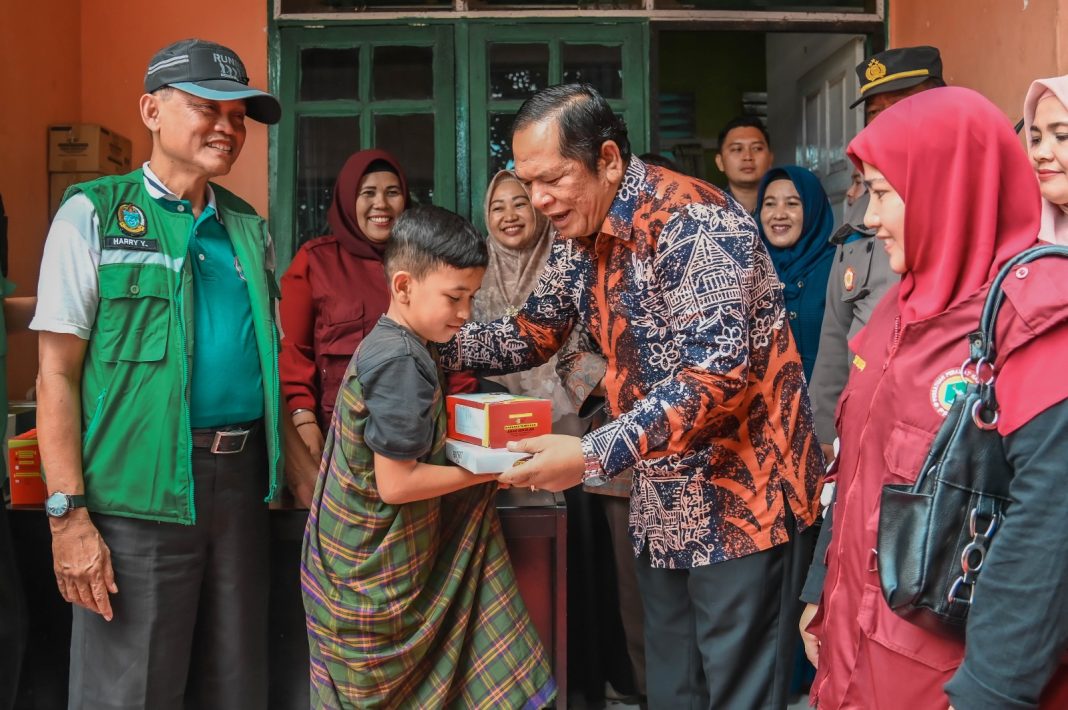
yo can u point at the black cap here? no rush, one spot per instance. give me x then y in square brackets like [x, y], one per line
[210, 71]
[897, 69]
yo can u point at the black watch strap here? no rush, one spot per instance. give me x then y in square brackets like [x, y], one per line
[76, 501]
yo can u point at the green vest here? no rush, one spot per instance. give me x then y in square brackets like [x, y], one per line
[137, 447]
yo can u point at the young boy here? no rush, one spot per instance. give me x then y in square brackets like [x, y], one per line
[409, 594]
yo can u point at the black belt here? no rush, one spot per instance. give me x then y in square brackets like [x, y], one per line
[229, 439]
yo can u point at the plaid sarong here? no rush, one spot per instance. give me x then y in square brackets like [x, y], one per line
[412, 605]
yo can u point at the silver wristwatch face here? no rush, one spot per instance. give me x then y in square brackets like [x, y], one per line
[57, 505]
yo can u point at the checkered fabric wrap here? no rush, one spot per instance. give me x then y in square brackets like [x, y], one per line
[413, 605]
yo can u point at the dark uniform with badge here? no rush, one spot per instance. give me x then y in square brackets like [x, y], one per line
[860, 274]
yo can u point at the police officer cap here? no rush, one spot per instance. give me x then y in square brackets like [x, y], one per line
[897, 69]
[210, 71]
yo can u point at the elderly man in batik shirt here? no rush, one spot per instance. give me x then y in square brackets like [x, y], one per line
[704, 387]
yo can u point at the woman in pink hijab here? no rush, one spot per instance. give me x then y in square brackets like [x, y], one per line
[1046, 130]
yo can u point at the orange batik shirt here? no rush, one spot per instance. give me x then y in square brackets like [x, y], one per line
[704, 384]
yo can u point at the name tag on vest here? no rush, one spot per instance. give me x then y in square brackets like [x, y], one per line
[131, 243]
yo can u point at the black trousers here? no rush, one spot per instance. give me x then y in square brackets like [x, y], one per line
[190, 623]
[12, 616]
[722, 637]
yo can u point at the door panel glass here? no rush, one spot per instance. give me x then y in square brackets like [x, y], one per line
[812, 139]
[500, 141]
[836, 124]
[560, 4]
[403, 73]
[411, 139]
[297, 7]
[324, 143]
[596, 64]
[517, 71]
[327, 73]
[771, 5]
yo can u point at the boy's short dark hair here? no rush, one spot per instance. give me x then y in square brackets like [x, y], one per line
[742, 122]
[426, 237]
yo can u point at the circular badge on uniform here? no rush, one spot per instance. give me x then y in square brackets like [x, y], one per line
[131, 220]
[849, 278]
[946, 388]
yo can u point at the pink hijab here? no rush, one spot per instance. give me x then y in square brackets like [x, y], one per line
[1054, 217]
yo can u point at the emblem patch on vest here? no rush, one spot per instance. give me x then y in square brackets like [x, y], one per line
[131, 219]
[849, 279]
[946, 388]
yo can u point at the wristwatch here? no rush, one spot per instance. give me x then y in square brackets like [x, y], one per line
[593, 471]
[59, 504]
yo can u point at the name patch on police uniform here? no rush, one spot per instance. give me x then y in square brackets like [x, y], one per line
[131, 219]
[131, 243]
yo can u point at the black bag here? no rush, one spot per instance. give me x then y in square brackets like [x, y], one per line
[934, 534]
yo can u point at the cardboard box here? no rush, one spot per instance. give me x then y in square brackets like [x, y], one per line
[87, 147]
[24, 470]
[58, 184]
[479, 459]
[21, 417]
[492, 420]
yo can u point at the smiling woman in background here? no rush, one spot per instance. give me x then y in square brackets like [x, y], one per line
[335, 290]
[795, 224]
[1046, 121]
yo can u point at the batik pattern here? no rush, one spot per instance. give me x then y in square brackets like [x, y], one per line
[704, 384]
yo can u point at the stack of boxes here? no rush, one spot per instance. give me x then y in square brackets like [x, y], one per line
[78, 152]
[481, 425]
[24, 470]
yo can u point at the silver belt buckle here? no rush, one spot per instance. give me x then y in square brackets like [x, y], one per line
[229, 442]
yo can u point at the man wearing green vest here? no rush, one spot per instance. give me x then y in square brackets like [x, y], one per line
[158, 405]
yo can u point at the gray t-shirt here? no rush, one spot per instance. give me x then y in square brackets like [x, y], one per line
[400, 384]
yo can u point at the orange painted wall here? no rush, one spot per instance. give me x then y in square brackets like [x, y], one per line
[118, 37]
[40, 79]
[84, 61]
[997, 47]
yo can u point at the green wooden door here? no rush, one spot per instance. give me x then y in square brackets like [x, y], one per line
[509, 63]
[354, 87]
[440, 95]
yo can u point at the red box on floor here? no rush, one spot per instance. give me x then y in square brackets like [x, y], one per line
[492, 420]
[24, 470]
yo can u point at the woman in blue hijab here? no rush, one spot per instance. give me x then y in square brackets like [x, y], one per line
[795, 224]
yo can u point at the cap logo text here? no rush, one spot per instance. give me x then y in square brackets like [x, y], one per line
[228, 66]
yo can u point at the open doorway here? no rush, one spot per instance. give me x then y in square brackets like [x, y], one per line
[801, 84]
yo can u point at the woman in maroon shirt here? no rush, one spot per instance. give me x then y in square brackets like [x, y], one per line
[335, 290]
